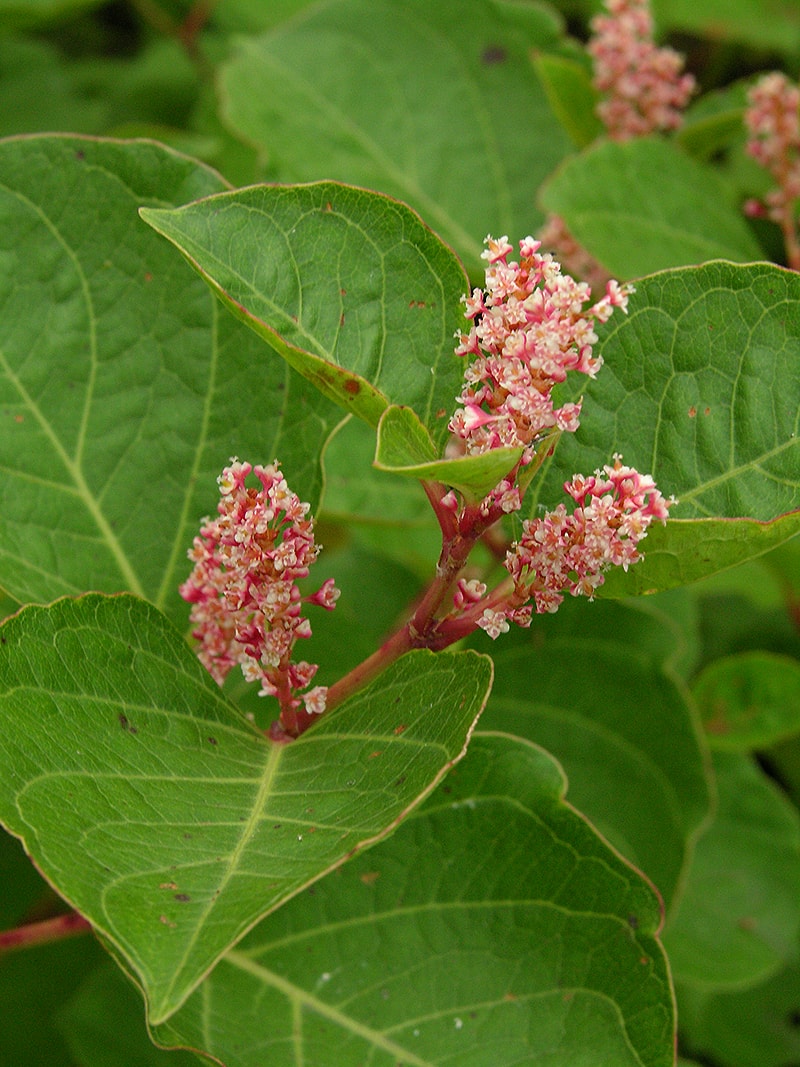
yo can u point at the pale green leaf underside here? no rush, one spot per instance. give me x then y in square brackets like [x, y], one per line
[405, 447]
[124, 389]
[348, 286]
[446, 112]
[169, 820]
[494, 928]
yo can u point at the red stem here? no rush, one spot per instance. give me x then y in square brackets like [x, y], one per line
[56, 929]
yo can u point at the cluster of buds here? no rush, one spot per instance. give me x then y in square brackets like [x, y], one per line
[246, 605]
[773, 121]
[530, 326]
[643, 86]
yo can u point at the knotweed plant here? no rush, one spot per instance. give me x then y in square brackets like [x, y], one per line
[530, 327]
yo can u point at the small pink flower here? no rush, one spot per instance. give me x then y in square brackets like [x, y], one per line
[494, 623]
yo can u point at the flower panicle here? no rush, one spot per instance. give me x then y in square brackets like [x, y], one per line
[563, 552]
[644, 88]
[530, 326]
[246, 604]
[772, 118]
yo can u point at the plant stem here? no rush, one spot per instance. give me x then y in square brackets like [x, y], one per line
[56, 929]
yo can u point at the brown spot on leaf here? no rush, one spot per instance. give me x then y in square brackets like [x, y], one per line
[493, 54]
[212, 740]
[183, 898]
[692, 412]
[168, 885]
[370, 877]
[352, 387]
[399, 729]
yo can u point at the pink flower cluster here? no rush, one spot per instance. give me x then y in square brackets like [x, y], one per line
[246, 606]
[773, 120]
[529, 328]
[644, 88]
[561, 553]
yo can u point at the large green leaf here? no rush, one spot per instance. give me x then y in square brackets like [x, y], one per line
[437, 104]
[773, 28]
[753, 1027]
[739, 917]
[643, 205]
[495, 928]
[124, 388]
[700, 389]
[621, 727]
[160, 812]
[349, 287]
[749, 701]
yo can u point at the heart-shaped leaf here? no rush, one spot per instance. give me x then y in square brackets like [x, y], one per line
[349, 287]
[167, 818]
[124, 388]
[446, 113]
[644, 205]
[494, 928]
[622, 729]
[700, 389]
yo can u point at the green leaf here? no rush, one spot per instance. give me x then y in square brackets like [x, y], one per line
[568, 85]
[349, 287]
[124, 389]
[391, 515]
[445, 111]
[165, 816]
[405, 447]
[687, 549]
[749, 701]
[494, 928]
[621, 727]
[748, 22]
[643, 205]
[700, 389]
[753, 1027]
[17, 13]
[739, 916]
[103, 1026]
